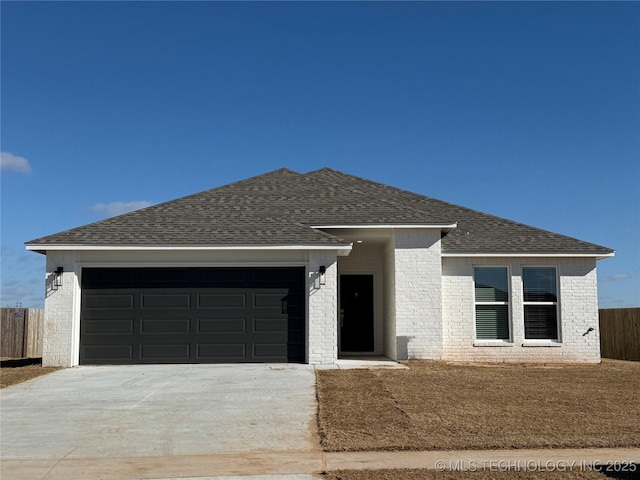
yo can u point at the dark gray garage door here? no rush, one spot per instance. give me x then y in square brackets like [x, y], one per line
[192, 315]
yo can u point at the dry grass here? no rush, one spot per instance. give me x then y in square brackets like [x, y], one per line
[13, 375]
[440, 406]
[478, 475]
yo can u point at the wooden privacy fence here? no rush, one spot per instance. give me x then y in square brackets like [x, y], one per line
[21, 332]
[620, 333]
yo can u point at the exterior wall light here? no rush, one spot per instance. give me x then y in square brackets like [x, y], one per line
[57, 280]
[322, 271]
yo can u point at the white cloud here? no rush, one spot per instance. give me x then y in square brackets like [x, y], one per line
[118, 208]
[12, 163]
[618, 276]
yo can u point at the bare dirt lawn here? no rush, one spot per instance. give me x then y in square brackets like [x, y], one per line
[440, 406]
[13, 375]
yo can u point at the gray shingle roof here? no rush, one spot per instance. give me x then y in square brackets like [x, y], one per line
[279, 208]
[477, 232]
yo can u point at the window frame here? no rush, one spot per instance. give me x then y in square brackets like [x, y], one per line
[556, 304]
[493, 341]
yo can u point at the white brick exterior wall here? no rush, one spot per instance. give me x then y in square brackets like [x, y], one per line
[389, 299]
[59, 346]
[323, 310]
[424, 303]
[578, 311]
[418, 294]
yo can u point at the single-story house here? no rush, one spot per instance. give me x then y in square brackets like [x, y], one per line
[291, 267]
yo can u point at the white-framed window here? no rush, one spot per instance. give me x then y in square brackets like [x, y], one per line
[492, 303]
[540, 294]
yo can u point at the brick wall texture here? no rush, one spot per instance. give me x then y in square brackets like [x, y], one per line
[424, 303]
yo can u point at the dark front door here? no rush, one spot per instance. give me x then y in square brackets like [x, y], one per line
[356, 313]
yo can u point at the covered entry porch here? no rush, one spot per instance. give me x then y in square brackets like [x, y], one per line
[390, 292]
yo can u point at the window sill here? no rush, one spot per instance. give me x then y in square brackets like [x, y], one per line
[542, 343]
[492, 343]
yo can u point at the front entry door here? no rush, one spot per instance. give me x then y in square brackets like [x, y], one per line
[356, 313]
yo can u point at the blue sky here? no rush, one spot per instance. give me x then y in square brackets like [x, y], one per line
[529, 111]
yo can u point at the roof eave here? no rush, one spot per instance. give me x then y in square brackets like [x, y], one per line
[596, 255]
[342, 249]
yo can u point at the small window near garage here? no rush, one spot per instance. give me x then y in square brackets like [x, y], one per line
[540, 303]
[492, 303]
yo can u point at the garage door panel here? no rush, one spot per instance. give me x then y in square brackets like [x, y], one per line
[166, 300]
[276, 300]
[161, 352]
[109, 352]
[110, 302]
[271, 276]
[222, 325]
[222, 277]
[277, 325]
[160, 317]
[108, 325]
[266, 351]
[237, 351]
[166, 276]
[165, 325]
[273, 339]
[222, 300]
[108, 278]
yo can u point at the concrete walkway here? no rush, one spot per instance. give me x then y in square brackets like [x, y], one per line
[295, 465]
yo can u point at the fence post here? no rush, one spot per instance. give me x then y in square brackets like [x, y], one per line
[25, 336]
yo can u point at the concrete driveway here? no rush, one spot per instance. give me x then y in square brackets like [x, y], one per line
[161, 421]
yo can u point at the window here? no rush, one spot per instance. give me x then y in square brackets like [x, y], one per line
[540, 303]
[492, 303]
